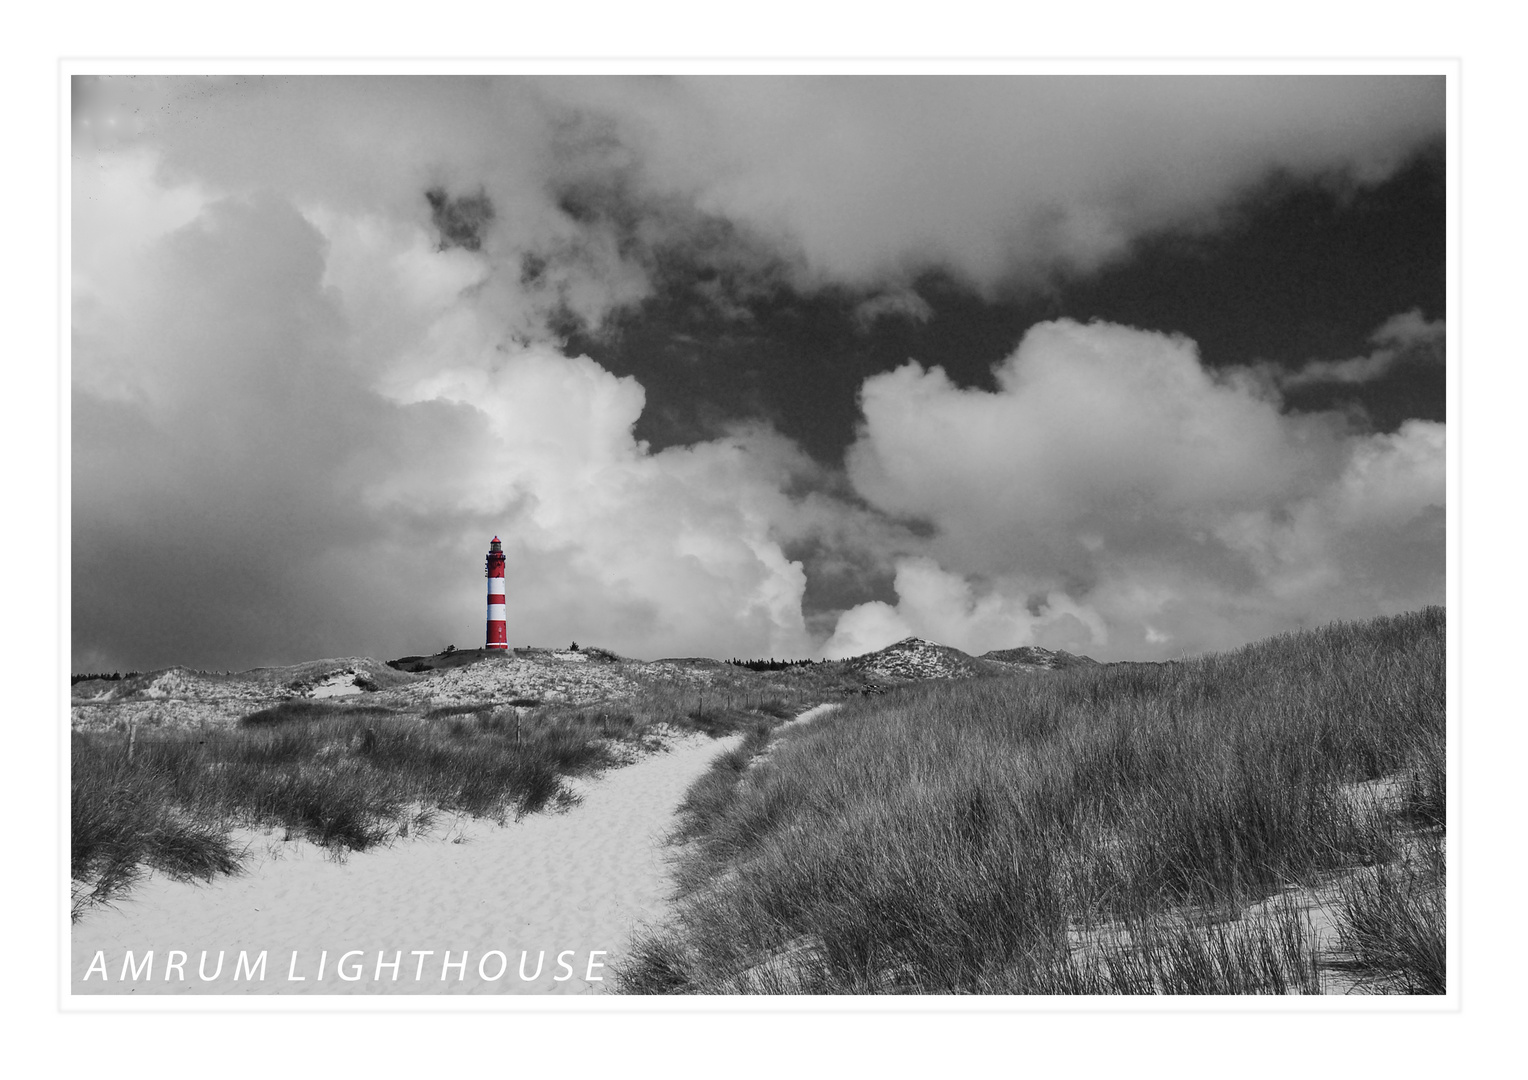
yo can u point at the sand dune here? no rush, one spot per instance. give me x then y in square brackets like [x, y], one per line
[564, 886]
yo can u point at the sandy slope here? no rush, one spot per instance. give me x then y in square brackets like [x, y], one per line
[572, 883]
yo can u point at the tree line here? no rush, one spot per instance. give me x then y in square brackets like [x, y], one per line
[115, 676]
[769, 665]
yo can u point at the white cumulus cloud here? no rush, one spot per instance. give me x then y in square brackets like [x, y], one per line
[1115, 496]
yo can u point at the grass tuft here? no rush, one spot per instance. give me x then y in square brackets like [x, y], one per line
[1394, 927]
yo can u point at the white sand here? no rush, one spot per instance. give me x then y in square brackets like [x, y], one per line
[574, 882]
[340, 684]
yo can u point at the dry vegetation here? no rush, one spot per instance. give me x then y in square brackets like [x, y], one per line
[351, 773]
[1112, 829]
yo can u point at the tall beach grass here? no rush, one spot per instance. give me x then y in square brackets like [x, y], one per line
[1094, 830]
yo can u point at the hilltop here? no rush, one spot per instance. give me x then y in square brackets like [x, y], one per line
[417, 684]
[178, 697]
[914, 659]
[1032, 656]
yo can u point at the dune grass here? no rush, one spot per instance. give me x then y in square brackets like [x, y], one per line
[723, 699]
[1057, 832]
[346, 775]
[709, 798]
[1393, 922]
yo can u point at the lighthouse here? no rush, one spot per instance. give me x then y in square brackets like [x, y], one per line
[498, 638]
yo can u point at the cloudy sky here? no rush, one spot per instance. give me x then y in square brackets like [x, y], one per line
[787, 366]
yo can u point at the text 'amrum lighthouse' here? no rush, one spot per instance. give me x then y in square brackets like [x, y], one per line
[498, 637]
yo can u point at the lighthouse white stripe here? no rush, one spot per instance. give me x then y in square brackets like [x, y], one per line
[495, 612]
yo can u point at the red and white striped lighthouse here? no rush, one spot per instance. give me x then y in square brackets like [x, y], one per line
[498, 637]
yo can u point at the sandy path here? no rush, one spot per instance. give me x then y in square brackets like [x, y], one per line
[808, 716]
[553, 885]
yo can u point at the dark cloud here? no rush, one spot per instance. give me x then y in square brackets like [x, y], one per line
[903, 304]
[460, 221]
[224, 488]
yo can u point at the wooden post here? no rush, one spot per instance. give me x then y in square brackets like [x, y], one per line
[132, 738]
